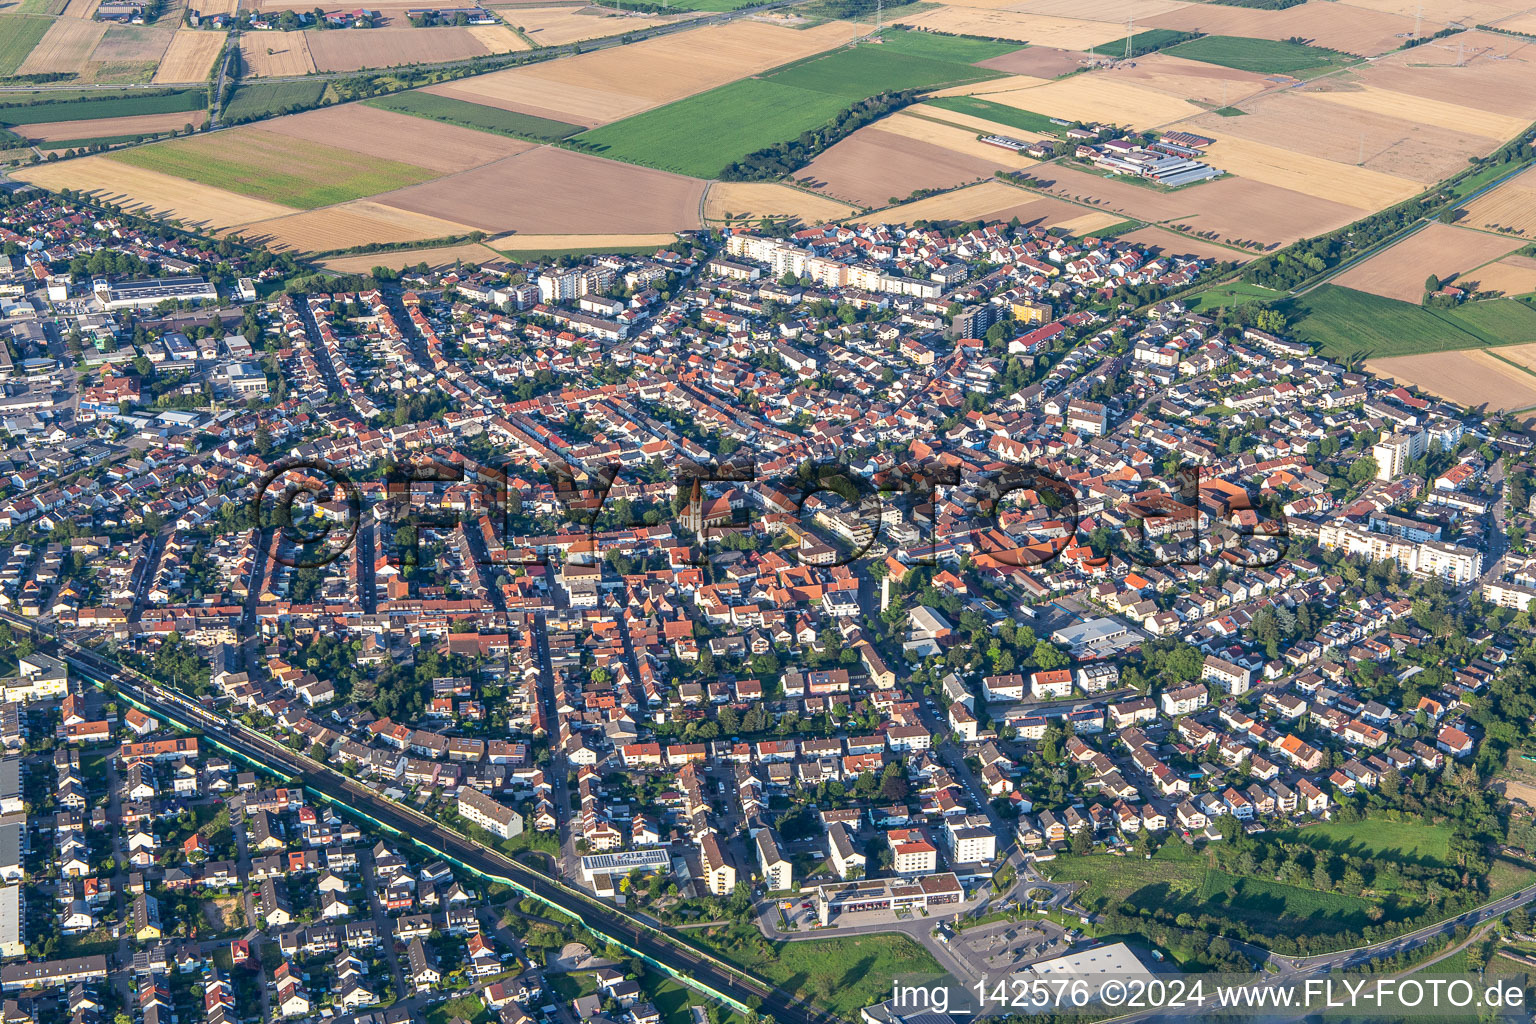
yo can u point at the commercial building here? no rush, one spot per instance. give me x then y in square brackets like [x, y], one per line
[144, 294]
[887, 894]
[605, 865]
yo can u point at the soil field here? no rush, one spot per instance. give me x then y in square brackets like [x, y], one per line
[1498, 73]
[1337, 26]
[474, 116]
[1178, 245]
[1311, 127]
[1513, 275]
[361, 128]
[1509, 208]
[130, 43]
[1229, 208]
[1455, 117]
[873, 167]
[389, 47]
[1469, 377]
[64, 48]
[340, 227]
[257, 162]
[1327, 179]
[1399, 272]
[1101, 96]
[277, 54]
[605, 85]
[554, 190]
[978, 116]
[151, 193]
[106, 127]
[1115, 11]
[993, 200]
[1065, 33]
[190, 56]
[752, 200]
[556, 26]
[1460, 11]
[445, 256]
[957, 137]
[1192, 80]
[1037, 61]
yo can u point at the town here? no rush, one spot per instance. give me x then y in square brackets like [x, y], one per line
[973, 592]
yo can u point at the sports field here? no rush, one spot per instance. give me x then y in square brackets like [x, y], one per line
[1264, 56]
[274, 167]
[703, 134]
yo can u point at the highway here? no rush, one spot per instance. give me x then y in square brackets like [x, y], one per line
[652, 943]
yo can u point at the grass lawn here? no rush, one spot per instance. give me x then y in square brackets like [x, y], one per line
[673, 1000]
[18, 34]
[468, 1007]
[1233, 293]
[573, 985]
[1272, 907]
[475, 115]
[1509, 875]
[277, 168]
[1114, 879]
[844, 974]
[1262, 56]
[854, 74]
[1409, 841]
[1346, 322]
[700, 135]
[1013, 117]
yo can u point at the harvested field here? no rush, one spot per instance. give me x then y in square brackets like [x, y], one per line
[1499, 73]
[957, 139]
[1308, 125]
[85, 9]
[106, 127]
[974, 123]
[1192, 80]
[1038, 61]
[768, 199]
[361, 128]
[1101, 96]
[1513, 275]
[1439, 113]
[993, 200]
[1447, 11]
[1230, 208]
[1327, 179]
[190, 56]
[151, 193]
[872, 166]
[1337, 26]
[1510, 208]
[1065, 33]
[1115, 11]
[446, 256]
[340, 227]
[64, 48]
[1469, 377]
[132, 43]
[256, 162]
[389, 47]
[605, 85]
[1178, 245]
[556, 26]
[1012, 83]
[1399, 272]
[555, 190]
[277, 54]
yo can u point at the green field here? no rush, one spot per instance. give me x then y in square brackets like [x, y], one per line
[18, 34]
[1262, 56]
[1273, 907]
[1142, 42]
[1233, 293]
[1346, 322]
[1000, 113]
[844, 975]
[293, 172]
[475, 115]
[703, 134]
[1414, 841]
[105, 140]
[130, 105]
[264, 100]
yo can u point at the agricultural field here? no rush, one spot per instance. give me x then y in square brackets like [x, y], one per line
[875, 167]
[151, 193]
[555, 191]
[277, 54]
[391, 47]
[750, 201]
[130, 44]
[101, 106]
[1338, 182]
[1099, 96]
[1201, 83]
[1482, 70]
[263, 100]
[1350, 28]
[1509, 209]
[993, 200]
[190, 56]
[276, 167]
[443, 256]
[109, 127]
[340, 227]
[1474, 378]
[476, 116]
[1182, 245]
[1513, 275]
[1400, 271]
[592, 89]
[556, 26]
[998, 113]
[1038, 30]
[64, 48]
[1262, 56]
[383, 134]
[19, 34]
[1042, 62]
[1347, 322]
[702, 134]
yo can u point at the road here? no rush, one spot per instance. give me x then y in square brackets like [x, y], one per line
[652, 943]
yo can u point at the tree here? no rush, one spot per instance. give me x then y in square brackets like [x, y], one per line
[1362, 469]
[1432, 283]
